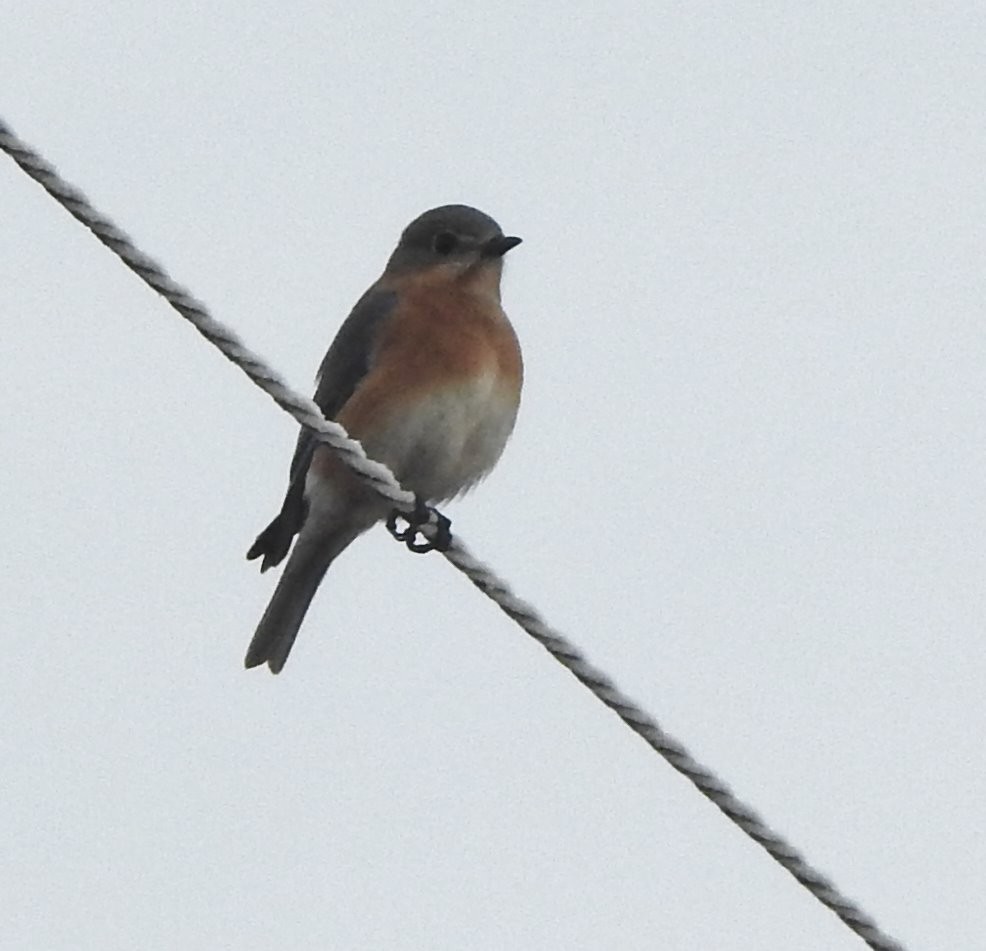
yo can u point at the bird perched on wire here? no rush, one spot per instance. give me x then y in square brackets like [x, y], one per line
[426, 373]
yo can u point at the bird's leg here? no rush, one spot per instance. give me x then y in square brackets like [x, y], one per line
[421, 516]
[443, 534]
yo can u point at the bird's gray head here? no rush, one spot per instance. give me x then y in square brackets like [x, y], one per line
[455, 236]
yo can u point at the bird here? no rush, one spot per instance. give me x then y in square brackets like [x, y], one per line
[426, 372]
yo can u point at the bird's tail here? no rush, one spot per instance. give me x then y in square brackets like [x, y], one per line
[306, 567]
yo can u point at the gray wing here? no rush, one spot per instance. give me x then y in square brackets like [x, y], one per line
[347, 362]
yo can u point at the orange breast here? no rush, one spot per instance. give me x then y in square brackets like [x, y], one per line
[442, 333]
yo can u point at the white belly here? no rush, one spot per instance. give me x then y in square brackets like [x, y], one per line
[446, 442]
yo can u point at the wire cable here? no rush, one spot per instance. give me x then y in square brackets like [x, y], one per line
[381, 480]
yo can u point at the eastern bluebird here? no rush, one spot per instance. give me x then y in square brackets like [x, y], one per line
[426, 373]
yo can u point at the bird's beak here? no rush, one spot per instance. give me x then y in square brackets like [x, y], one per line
[497, 247]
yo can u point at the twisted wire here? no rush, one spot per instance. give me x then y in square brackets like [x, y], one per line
[382, 481]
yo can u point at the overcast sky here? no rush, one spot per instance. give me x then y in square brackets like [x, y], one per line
[747, 478]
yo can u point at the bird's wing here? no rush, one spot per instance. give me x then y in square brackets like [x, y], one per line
[348, 360]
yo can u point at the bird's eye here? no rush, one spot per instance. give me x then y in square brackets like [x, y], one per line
[445, 242]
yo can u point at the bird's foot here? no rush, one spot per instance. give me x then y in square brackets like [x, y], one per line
[415, 520]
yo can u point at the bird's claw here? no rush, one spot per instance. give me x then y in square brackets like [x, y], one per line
[415, 520]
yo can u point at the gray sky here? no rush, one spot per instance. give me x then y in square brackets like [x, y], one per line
[747, 478]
